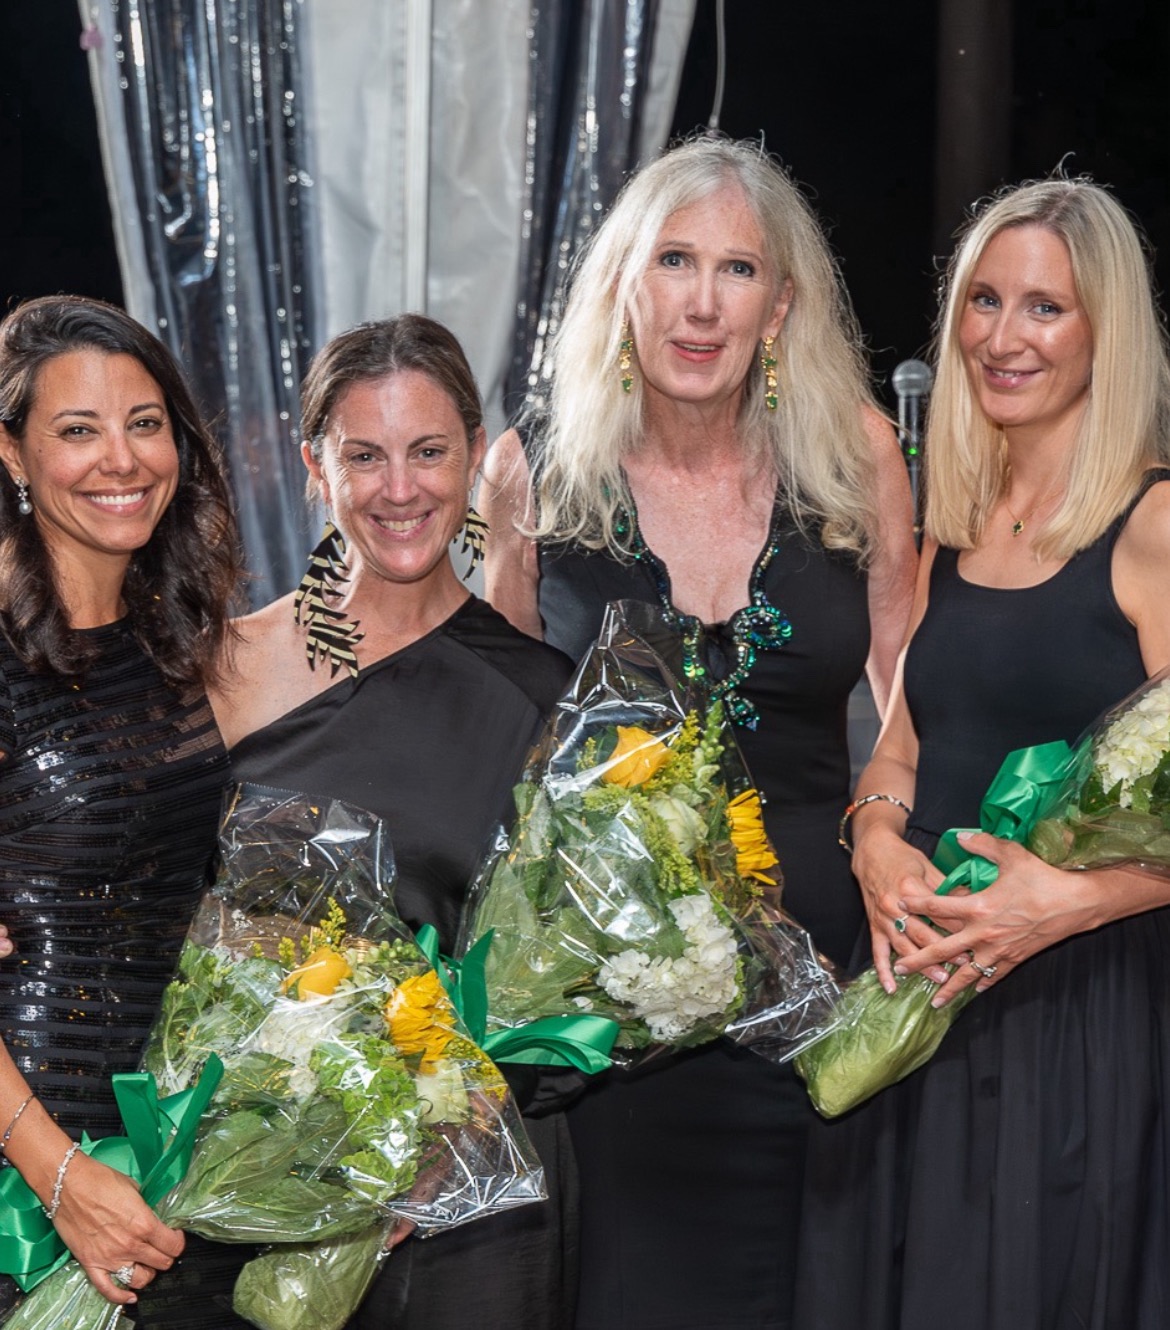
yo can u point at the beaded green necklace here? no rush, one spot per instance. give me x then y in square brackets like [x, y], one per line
[759, 626]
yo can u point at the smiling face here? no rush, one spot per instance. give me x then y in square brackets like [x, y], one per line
[99, 458]
[705, 302]
[395, 470]
[1025, 337]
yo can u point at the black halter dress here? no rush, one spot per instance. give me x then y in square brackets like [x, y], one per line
[691, 1168]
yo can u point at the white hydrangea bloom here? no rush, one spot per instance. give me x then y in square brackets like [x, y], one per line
[673, 994]
[1135, 742]
[292, 1030]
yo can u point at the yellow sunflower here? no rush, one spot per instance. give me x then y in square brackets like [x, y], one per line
[753, 853]
[420, 1018]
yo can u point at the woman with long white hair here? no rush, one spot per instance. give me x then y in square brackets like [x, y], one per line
[711, 447]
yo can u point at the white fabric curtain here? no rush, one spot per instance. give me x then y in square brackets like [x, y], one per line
[364, 109]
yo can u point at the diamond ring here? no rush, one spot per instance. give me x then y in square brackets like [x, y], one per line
[900, 923]
[123, 1274]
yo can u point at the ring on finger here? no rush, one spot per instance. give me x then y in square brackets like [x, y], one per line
[900, 923]
[123, 1275]
[987, 971]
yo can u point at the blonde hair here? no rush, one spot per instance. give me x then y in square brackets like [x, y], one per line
[815, 439]
[1126, 422]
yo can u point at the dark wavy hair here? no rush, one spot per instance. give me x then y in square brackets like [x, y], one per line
[180, 585]
[375, 350]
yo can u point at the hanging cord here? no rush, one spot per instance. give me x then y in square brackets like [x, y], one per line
[720, 65]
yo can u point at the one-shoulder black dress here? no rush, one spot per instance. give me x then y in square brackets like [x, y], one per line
[432, 739]
[1022, 1178]
[691, 1168]
[109, 803]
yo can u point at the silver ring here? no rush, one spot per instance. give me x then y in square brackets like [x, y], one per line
[987, 971]
[123, 1275]
[900, 924]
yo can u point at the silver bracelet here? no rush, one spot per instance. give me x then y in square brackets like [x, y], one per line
[15, 1119]
[55, 1203]
[843, 825]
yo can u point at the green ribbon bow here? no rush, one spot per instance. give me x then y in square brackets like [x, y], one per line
[1010, 809]
[584, 1041]
[155, 1152]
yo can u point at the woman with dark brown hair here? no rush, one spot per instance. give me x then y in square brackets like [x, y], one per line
[383, 682]
[118, 559]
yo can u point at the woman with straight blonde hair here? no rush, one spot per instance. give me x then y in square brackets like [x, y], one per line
[711, 447]
[1021, 1174]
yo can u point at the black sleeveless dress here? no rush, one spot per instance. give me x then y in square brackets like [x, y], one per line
[1022, 1178]
[109, 805]
[432, 739]
[691, 1167]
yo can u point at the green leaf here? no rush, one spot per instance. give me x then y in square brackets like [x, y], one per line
[309, 1286]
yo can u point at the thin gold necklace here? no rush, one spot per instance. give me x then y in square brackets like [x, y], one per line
[1018, 523]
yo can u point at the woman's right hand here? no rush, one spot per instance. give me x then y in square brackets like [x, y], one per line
[885, 865]
[106, 1224]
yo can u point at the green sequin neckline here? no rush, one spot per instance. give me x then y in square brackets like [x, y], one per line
[758, 626]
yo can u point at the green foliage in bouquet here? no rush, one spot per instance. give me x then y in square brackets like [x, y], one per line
[1105, 802]
[351, 1093]
[621, 887]
[1115, 806]
[281, 1289]
[882, 1038]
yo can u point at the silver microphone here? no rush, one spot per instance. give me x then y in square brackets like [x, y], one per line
[912, 382]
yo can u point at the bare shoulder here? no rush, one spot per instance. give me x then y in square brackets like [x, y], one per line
[263, 660]
[1146, 534]
[505, 468]
[511, 571]
[883, 440]
[1141, 574]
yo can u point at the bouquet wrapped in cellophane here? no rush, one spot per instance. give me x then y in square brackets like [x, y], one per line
[351, 1096]
[638, 883]
[1112, 805]
[1103, 803]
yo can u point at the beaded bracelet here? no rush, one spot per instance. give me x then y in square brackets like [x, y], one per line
[15, 1119]
[55, 1202]
[860, 803]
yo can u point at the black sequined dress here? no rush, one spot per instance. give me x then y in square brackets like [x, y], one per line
[109, 803]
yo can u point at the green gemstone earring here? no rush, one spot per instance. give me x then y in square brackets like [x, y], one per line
[768, 364]
[625, 350]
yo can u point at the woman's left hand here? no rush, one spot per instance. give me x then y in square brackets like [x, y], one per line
[1030, 906]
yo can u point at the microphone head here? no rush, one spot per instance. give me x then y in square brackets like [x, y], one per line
[913, 378]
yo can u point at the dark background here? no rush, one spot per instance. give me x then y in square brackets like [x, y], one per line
[893, 117]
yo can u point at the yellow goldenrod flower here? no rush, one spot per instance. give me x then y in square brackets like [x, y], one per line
[319, 975]
[420, 1019]
[635, 758]
[753, 853]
